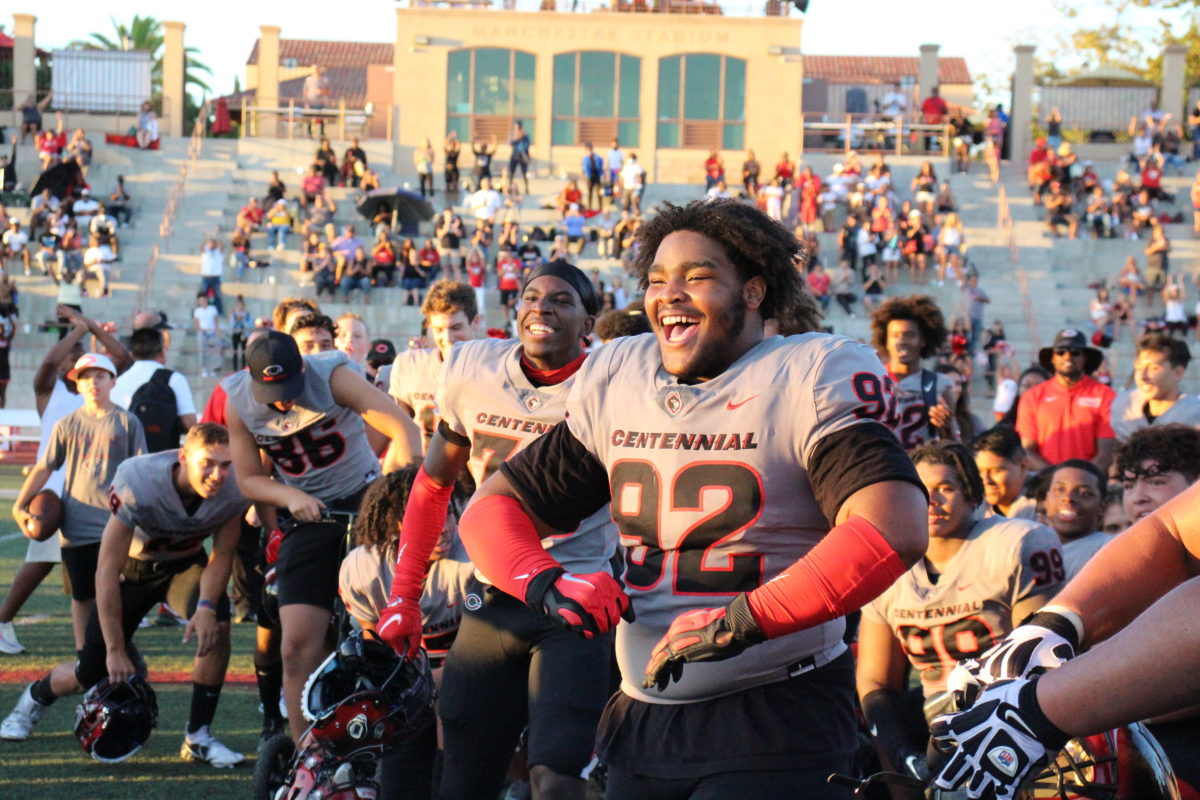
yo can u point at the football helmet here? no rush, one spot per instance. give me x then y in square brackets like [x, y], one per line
[114, 720]
[365, 695]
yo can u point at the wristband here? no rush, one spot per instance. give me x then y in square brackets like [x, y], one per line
[1070, 616]
[206, 604]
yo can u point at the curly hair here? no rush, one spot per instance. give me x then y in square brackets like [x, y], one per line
[378, 523]
[446, 297]
[1174, 447]
[918, 308]
[285, 306]
[754, 243]
[614, 324]
[957, 456]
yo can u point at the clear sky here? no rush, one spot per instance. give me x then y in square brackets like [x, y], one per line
[224, 30]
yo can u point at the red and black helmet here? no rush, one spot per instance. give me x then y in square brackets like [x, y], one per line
[114, 720]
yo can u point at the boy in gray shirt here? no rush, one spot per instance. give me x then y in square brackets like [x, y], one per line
[90, 443]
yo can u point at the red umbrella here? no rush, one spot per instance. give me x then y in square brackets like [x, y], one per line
[221, 123]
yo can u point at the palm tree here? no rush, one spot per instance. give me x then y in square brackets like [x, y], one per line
[145, 33]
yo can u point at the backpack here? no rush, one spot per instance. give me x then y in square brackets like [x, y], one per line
[154, 405]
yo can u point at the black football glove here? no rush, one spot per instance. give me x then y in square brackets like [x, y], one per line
[1046, 640]
[586, 604]
[997, 742]
[706, 634]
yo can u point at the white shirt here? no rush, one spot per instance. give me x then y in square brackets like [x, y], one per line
[85, 207]
[774, 195]
[211, 263]
[1006, 395]
[616, 159]
[142, 371]
[632, 175]
[485, 203]
[207, 317]
[894, 103]
[98, 257]
[16, 240]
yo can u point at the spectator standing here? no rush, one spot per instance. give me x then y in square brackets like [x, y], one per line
[423, 161]
[714, 169]
[485, 202]
[1068, 416]
[975, 299]
[450, 233]
[614, 162]
[8, 332]
[933, 112]
[751, 169]
[316, 94]
[520, 156]
[842, 287]
[1054, 128]
[773, 194]
[592, 169]
[240, 326]
[894, 103]
[276, 189]
[148, 348]
[451, 149]
[204, 317]
[212, 265]
[476, 268]
[31, 115]
[633, 184]
[482, 168]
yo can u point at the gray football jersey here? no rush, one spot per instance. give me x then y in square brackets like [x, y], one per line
[1021, 508]
[710, 487]
[1078, 552]
[318, 446]
[912, 426]
[365, 581]
[1128, 416]
[1002, 563]
[414, 380]
[484, 395]
[144, 497]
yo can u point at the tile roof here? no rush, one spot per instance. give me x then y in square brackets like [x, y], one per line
[880, 69]
[345, 83]
[312, 52]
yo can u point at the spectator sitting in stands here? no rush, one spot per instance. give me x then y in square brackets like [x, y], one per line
[49, 257]
[1141, 215]
[430, 261]
[50, 144]
[251, 215]
[40, 208]
[574, 222]
[1098, 215]
[1142, 143]
[1058, 211]
[312, 187]
[1088, 179]
[569, 195]
[946, 201]
[31, 115]
[80, 149]
[1152, 179]
[105, 227]
[369, 181]
[345, 248]
[354, 163]
[320, 217]
[353, 272]
[118, 202]
[276, 189]
[324, 271]
[14, 243]
[147, 126]
[383, 256]
[279, 224]
[84, 208]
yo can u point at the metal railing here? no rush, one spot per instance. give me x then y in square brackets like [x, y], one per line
[742, 8]
[875, 132]
[1004, 221]
[282, 121]
[166, 225]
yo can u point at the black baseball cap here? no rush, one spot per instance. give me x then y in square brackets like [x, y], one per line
[382, 352]
[276, 367]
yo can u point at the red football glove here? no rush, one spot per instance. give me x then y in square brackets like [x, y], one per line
[587, 604]
[274, 542]
[706, 634]
[400, 626]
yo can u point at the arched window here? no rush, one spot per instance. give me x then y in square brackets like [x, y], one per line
[487, 90]
[702, 102]
[596, 98]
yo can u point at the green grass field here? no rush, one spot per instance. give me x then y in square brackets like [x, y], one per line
[51, 766]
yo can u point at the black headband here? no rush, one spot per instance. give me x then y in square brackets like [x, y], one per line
[572, 275]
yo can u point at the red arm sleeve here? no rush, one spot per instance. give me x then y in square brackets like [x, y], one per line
[214, 410]
[847, 569]
[424, 520]
[503, 543]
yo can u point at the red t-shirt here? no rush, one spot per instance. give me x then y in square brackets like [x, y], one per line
[819, 283]
[714, 168]
[510, 274]
[934, 108]
[1066, 423]
[475, 274]
[214, 411]
[1152, 177]
[255, 215]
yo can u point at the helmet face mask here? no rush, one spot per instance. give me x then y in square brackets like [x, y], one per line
[114, 720]
[366, 696]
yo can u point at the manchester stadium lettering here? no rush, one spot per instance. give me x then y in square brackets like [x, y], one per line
[650, 440]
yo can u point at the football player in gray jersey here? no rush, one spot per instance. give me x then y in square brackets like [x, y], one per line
[451, 316]
[743, 560]
[1156, 399]
[164, 506]
[508, 664]
[907, 330]
[308, 415]
[1002, 465]
[979, 579]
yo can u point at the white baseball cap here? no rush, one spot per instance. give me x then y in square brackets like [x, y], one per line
[92, 361]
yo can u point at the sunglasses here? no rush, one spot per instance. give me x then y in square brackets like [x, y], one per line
[1067, 351]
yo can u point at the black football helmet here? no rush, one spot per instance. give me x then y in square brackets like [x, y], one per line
[114, 720]
[365, 695]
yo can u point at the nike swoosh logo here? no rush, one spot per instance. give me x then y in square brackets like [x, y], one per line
[384, 626]
[929, 387]
[965, 586]
[732, 406]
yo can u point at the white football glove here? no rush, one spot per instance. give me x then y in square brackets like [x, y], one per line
[1047, 640]
[997, 743]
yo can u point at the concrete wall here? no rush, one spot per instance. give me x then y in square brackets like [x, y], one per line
[773, 82]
